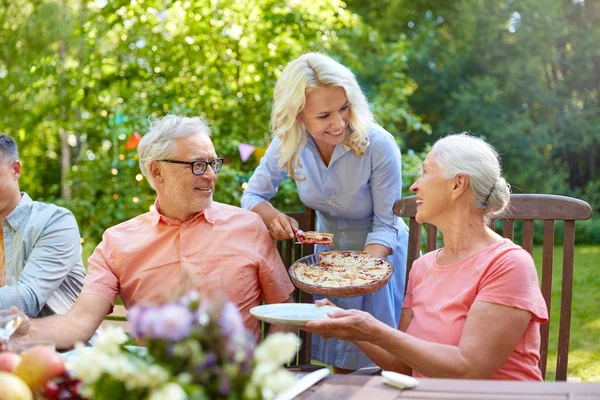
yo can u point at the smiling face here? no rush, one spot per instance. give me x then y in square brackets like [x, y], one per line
[433, 192]
[182, 194]
[325, 116]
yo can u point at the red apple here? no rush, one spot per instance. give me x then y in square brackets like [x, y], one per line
[9, 361]
[13, 388]
[38, 365]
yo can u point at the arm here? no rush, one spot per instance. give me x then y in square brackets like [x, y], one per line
[54, 254]
[275, 283]
[281, 226]
[386, 188]
[384, 358]
[262, 187]
[490, 334]
[78, 325]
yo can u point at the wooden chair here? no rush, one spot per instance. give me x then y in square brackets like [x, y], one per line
[526, 208]
[290, 252]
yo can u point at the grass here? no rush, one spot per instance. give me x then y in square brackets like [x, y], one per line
[584, 349]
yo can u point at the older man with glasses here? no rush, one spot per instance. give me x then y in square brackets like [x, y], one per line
[187, 240]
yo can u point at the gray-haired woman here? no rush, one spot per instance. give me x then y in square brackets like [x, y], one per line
[473, 307]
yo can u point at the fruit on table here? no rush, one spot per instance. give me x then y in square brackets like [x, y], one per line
[9, 361]
[38, 365]
[13, 388]
[63, 387]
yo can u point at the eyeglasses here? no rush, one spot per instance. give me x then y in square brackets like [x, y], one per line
[199, 167]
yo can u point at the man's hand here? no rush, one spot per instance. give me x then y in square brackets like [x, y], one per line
[282, 227]
[23, 329]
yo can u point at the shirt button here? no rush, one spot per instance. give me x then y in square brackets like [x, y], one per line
[184, 225]
[184, 258]
[330, 202]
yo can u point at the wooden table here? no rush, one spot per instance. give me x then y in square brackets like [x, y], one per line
[371, 388]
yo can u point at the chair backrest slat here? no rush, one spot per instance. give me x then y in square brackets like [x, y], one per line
[290, 252]
[547, 266]
[431, 237]
[414, 245]
[528, 235]
[509, 229]
[564, 332]
[526, 207]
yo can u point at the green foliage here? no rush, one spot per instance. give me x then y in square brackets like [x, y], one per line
[525, 75]
[79, 77]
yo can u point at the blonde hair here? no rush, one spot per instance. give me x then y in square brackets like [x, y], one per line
[299, 78]
[466, 154]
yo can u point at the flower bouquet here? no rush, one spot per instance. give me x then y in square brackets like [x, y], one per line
[194, 349]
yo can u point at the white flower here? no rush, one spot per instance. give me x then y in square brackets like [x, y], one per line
[171, 391]
[277, 382]
[279, 348]
[110, 339]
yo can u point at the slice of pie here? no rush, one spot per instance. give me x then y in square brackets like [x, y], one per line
[312, 237]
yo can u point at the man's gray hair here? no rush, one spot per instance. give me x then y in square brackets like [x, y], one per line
[159, 142]
[8, 149]
[469, 155]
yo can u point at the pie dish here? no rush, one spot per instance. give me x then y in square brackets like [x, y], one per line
[340, 273]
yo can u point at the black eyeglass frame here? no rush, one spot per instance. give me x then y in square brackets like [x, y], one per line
[216, 165]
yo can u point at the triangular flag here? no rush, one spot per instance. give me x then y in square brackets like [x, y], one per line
[133, 141]
[245, 150]
[259, 152]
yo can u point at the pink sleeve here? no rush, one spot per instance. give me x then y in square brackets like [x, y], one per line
[275, 283]
[100, 279]
[511, 280]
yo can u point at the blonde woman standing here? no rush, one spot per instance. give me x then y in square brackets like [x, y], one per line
[348, 169]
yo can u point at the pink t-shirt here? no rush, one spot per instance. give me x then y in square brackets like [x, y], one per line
[440, 297]
[227, 248]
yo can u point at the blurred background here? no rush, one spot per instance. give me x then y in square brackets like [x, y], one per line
[78, 81]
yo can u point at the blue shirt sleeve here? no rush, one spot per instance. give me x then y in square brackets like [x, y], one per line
[386, 188]
[51, 259]
[265, 181]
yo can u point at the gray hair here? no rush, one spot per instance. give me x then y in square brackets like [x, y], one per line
[469, 155]
[159, 142]
[8, 149]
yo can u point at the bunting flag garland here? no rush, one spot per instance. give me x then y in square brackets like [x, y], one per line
[246, 151]
[133, 141]
[259, 152]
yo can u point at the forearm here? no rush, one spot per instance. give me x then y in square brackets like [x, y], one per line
[430, 359]
[266, 211]
[377, 250]
[63, 330]
[383, 358]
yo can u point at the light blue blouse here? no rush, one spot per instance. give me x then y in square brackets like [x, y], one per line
[353, 198]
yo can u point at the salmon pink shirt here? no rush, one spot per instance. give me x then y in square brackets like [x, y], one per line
[440, 297]
[228, 248]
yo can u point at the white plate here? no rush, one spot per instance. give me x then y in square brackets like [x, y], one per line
[295, 314]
